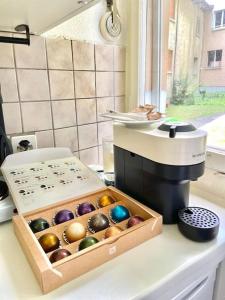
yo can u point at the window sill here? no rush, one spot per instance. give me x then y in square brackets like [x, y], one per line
[215, 159]
[218, 28]
[211, 184]
[212, 68]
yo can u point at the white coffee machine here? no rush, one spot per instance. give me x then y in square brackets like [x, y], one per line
[155, 166]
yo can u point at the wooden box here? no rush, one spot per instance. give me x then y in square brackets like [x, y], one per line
[51, 276]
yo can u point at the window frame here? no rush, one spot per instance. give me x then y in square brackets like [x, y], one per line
[214, 61]
[157, 96]
[221, 26]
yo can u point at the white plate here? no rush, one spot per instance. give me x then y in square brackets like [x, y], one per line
[131, 119]
[135, 124]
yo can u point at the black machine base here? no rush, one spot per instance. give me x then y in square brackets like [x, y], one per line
[164, 188]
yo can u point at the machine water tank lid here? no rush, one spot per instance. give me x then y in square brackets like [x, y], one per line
[174, 127]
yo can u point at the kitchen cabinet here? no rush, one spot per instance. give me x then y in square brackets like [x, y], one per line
[40, 15]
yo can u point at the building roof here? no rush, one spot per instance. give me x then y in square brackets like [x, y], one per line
[203, 5]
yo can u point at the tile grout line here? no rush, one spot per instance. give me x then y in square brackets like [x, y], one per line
[63, 70]
[57, 100]
[96, 102]
[114, 72]
[18, 89]
[75, 99]
[89, 148]
[50, 94]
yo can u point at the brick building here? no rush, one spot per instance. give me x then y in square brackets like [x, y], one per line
[185, 43]
[212, 76]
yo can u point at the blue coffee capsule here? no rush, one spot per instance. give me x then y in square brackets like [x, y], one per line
[119, 213]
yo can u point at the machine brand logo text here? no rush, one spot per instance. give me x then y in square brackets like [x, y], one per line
[198, 155]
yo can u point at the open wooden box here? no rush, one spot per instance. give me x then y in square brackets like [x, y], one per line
[50, 276]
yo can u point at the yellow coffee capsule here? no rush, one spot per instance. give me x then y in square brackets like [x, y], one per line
[105, 201]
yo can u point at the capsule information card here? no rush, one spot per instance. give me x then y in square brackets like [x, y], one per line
[39, 184]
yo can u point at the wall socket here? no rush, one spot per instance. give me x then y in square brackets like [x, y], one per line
[29, 140]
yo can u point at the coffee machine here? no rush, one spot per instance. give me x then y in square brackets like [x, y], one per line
[155, 166]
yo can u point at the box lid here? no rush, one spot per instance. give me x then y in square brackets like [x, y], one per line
[39, 184]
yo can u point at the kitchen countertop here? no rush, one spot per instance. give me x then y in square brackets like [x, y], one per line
[134, 274]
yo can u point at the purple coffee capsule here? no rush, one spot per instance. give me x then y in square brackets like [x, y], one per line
[63, 216]
[84, 208]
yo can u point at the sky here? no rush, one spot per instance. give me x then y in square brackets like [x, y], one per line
[219, 4]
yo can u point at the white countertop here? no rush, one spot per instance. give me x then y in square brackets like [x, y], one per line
[131, 275]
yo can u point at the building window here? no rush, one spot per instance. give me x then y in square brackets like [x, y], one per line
[214, 58]
[195, 67]
[219, 18]
[198, 27]
[170, 61]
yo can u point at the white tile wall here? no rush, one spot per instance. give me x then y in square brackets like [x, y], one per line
[59, 54]
[85, 84]
[66, 137]
[45, 138]
[9, 85]
[33, 56]
[36, 116]
[83, 56]
[6, 57]
[64, 113]
[58, 88]
[86, 111]
[33, 85]
[88, 136]
[61, 84]
[12, 116]
[104, 84]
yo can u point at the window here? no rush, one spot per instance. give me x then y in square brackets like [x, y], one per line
[219, 18]
[198, 26]
[214, 58]
[179, 82]
[170, 61]
[195, 67]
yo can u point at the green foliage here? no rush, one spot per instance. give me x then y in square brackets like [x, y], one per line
[183, 93]
[189, 94]
[202, 108]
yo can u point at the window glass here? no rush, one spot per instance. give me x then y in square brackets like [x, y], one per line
[195, 68]
[218, 17]
[195, 71]
[211, 58]
[198, 26]
[219, 55]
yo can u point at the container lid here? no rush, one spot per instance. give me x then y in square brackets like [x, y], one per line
[198, 224]
[36, 185]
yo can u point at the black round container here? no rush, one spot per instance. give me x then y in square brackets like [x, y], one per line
[198, 224]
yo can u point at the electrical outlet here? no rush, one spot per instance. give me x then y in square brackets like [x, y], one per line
[23, 143]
